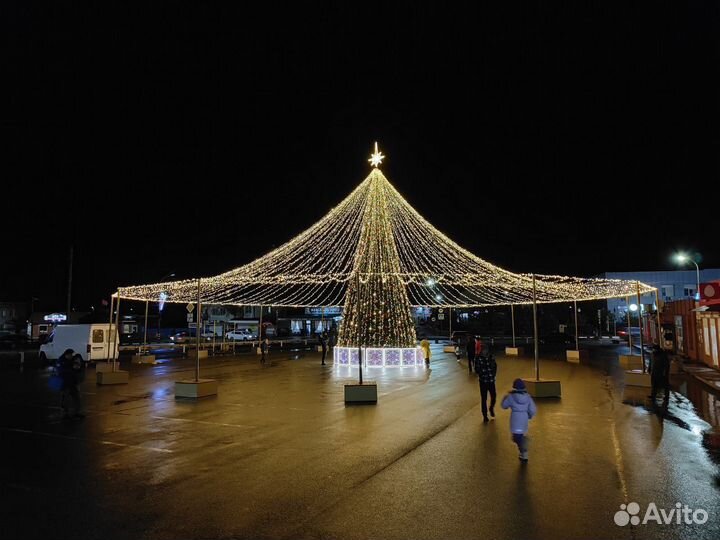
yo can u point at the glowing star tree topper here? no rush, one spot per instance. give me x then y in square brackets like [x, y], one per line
[376, 157]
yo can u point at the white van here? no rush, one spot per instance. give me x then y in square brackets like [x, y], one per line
[90, 341]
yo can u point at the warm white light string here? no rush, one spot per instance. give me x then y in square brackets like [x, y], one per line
[314, 268]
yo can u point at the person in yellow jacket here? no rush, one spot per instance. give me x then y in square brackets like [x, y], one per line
[425, 346]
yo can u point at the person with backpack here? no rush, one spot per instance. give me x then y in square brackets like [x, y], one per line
[72, 371]
[486, 369]
[470, 349]
[522, 409]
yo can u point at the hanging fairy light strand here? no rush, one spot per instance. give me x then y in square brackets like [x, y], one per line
[375, 232]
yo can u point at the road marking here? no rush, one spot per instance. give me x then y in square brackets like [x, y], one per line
[107, 443]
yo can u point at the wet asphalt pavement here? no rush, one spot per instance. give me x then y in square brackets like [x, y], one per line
[277, 454]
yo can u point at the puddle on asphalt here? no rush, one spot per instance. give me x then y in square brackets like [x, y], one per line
[706, 405]
[691, 407]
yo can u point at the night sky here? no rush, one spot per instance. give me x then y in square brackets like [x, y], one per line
[563, 140]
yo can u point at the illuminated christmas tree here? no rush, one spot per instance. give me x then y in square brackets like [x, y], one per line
[377, 257]
[377, 309]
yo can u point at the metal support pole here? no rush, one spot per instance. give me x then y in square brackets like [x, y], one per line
[450, 315]
[577, 340]
[213, 337]
[640, 325]
[116, 334]
[112, 300]
[535, 329]
[69, 292]
[357, 297]
[512, 317]
[260, 327]
[657, 321]
[197, 334]
[629, 324]
[147, 304]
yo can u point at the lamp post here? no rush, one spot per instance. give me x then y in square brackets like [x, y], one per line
[683, 258]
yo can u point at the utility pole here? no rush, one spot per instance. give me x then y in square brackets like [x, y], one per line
[69, 292]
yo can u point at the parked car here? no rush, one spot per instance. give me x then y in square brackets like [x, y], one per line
[10, 341]
[240, 334]
[209, 335]
[633, 331]
[181, 337]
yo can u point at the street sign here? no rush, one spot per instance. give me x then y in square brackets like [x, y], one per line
[189, 317]
[190, 307]
[441, 316]
[192, 325]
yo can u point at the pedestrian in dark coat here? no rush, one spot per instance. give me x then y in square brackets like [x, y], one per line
[324, 345]
[470, 348]
[264, 349]
[660, 374]
[486, 369]
[71, 368]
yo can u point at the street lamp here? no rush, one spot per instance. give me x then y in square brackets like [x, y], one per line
[683, 258]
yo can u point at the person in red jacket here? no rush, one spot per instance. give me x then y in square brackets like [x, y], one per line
[478, 346]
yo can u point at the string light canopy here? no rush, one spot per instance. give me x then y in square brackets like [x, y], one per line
[376, 256]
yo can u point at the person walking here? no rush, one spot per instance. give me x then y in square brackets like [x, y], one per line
[264, 349]
[470, 349]
[324, 345]
[486, 369]
[72, 369]
[522, 409]
[425, 346]
[660, 374]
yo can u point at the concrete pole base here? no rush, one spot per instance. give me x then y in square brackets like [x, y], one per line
[113, 377]
[630, 362]
[543, 387]
[361, 393]
[190, 388]
[575, 356]
[514, 351]
[143, 359]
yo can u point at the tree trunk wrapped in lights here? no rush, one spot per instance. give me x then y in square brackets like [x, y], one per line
[377, 309]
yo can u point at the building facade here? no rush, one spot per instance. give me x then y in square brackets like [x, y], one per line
[695, 326]
[672, 285]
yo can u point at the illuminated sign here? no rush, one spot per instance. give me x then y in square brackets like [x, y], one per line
[323, 311]
[55, 317]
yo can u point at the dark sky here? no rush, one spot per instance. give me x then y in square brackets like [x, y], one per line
[564, 140]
